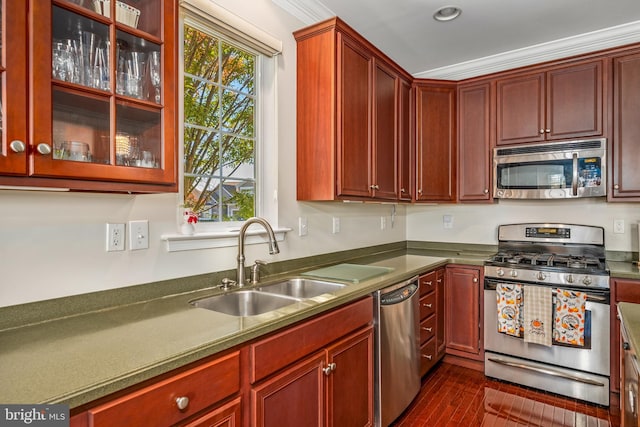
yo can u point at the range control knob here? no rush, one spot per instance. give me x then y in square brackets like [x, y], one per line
[514, 273]
[569, 278]
[541, 276]
[500, 272]
[587, 280]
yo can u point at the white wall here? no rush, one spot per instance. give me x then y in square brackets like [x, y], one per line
[53, 244]
[479, 223]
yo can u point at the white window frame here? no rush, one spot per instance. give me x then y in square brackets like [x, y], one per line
[204, 14]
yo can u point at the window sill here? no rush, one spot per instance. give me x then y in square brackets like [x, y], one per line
[222, 239]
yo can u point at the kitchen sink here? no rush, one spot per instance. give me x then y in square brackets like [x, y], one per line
[301, 287]
[269, 297]
[245, 303]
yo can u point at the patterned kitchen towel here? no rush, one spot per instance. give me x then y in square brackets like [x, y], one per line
[569, 317]
[509, 299]
[538, 326]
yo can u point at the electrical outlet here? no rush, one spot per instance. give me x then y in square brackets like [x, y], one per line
[618, 226]
[383, 222]
[336, 225]
[447, 221]
[115, 237]
[138, 235]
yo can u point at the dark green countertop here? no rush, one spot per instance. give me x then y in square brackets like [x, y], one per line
[77, 359]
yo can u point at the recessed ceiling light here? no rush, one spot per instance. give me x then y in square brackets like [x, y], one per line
[447, 13]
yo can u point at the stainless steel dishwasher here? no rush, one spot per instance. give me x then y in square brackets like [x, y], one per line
[397, 355]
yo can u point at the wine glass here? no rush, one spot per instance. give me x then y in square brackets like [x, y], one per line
[154, 73]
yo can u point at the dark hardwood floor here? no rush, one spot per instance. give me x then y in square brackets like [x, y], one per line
[455, 396]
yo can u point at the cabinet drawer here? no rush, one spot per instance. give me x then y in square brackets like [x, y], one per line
[627, 290]
[428, 356]
[427, 305]
[156, 404]
[428, 282]
[427, 329]
[281, 349]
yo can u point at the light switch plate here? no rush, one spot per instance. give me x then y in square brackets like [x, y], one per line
[303, 229]
[138, 235]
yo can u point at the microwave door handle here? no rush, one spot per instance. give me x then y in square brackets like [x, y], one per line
[574, 181]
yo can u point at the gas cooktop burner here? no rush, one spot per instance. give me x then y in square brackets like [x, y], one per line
[547, 260]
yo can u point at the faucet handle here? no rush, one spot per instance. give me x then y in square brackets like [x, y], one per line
[227, 283]
[255, 270]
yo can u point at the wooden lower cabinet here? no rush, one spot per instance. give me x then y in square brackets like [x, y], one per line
[622, 290]
[432, 343]
[182, 398]
[316, 373]
[463, 312]
[332, 387]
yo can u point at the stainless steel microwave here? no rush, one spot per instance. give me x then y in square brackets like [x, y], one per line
[554, 170]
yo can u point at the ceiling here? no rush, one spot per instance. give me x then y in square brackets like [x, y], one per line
[490, 35]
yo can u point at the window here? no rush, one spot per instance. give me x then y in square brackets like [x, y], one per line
[229, 125]
[219, 130]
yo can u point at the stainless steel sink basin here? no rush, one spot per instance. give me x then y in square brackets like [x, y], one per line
[245, 303]
[301, 287]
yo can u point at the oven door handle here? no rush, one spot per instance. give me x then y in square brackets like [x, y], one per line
[490, 285]
[547, 371]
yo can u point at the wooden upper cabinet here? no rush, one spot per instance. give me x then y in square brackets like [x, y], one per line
[99, 120]
[13, 74]
[354, 119]
[626, 128]
[347, 116]
[475, 140]
[385, 137]
[435, 142]
[561, 103]
[406, 157]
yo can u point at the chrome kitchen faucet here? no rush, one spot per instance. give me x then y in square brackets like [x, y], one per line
[273, 245]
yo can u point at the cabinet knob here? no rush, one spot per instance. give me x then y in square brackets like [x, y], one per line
[330, 368]
[44, 148]
[616, 187]
[626, 346]
[475, 280]
[541, 131]
[420, 191]
[182, 402]
[374, 187]
[486, 191]
[402, 190]
[17, 146]
[547, 130]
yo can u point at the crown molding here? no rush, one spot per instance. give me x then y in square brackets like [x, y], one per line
[308, 11]
[312, 11]
[584, 43]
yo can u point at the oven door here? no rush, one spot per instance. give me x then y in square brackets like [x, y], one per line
[580, 372]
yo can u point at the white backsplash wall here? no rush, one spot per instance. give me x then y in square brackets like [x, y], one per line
[478, 223]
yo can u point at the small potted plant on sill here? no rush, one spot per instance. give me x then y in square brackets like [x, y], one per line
[189, 219]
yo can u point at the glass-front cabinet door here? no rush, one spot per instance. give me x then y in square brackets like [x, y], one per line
[103, 104]
[13, 87]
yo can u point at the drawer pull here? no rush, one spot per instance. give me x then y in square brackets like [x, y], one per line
[427, 305]
[427, 356]
[427, 329]
[429, 282]
[182, 402]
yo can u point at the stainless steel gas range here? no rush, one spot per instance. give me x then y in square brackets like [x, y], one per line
[567, 263]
